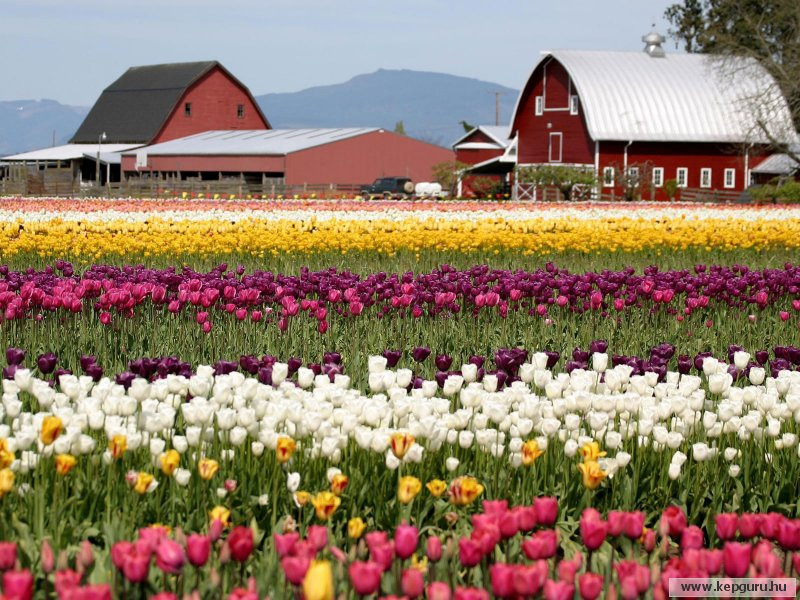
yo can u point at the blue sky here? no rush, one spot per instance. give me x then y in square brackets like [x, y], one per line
[69, 50]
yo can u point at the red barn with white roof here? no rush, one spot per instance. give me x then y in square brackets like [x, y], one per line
[649, 116]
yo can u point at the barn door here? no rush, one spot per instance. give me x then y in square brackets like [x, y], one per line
[556, 139]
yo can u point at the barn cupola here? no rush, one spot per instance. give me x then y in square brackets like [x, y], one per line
[653, 41]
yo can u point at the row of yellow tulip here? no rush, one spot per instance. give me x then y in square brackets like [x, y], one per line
[262, 237]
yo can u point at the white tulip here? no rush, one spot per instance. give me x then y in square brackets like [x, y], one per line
[403, 377]
[700, 451]
[757, 375]
[613, 440]
[257, 448]
[376, 364]
[599, 362]
[734, 470]
[293, 482]
[263, 500]
[570, 448]
[279, 373]
[238, 435]
[157, 446]
[490, 383]
[740, 359]
[623, 459]
[451, 463]
[429, 388]
[392, 462]
[182, 476]
[674, 471]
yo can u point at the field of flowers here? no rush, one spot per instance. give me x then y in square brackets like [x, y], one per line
[328, 399]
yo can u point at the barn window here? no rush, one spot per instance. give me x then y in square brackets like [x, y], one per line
[658, 176]
[682, 176]
[730, 178]
[240, 111]
[539, 105]
[573, 105]
[633, 176]
[187, 109]
[705, 178]
[608, 176]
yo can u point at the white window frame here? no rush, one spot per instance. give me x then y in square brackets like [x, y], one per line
[560, 147]
[684, 172]
[705, 172]
[658, 177]
[573, 104]
[732, 183]
[633, 175]
[608, 181]
[539, 106]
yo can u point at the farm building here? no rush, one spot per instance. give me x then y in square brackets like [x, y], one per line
[490, 155]
[287, 158]
[146, 105]
[641, 119]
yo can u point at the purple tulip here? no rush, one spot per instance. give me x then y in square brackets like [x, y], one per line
[392, 357]
[420, 353]
[14, 356]
[87, 360]
[46, 363]
[443, 362]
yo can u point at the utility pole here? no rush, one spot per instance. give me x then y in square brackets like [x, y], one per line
[497, 106]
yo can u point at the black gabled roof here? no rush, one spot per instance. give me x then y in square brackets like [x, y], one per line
[135, 107]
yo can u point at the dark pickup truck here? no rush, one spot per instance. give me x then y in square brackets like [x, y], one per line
[389, 187]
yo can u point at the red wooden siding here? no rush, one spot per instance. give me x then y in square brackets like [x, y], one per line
[209, 164]
[214, 99]
[364, 158]
[475, 156]
[551, 81]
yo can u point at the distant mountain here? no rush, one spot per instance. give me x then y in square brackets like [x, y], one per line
[430, 105]
[29, 124]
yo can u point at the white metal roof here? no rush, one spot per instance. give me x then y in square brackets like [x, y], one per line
[499, 133]
[263, 141]
[680, 97]
[69, 152]
[777, 164]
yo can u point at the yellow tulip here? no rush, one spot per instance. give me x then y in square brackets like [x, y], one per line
[285, 448]
[318, 582]
[530, 452]
[169, 462]
[51, 429]
[339, 483]
[464, 490]
[117, 445]
[6, 455]
[301, 498]
[407, 489]
[401, 443]
[355, 527]
[64, 463]
[592, 474]
[6, 481]
[143, 481]
[436, 487]
[325, 503]
[591, 452]
[207, 468]
[220, 513]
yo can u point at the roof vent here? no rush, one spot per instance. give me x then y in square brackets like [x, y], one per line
[653, 41]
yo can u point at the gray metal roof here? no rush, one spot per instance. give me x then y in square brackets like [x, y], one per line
[678, 97]
[69, 152]
[499, 133]
[135, 107]
[777, 164]
[275, 142]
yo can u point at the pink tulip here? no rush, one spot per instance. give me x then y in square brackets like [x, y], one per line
[543, 544]
[215, 529]
[365, 577]
[770, 523]
[412, 582]
[295, 567]
[462, 593]
[784, 315]
[750, 524]
[546, 509]
[529, 579]
[66, 580]
[616, 522]
[736, 558]
[8, 555]
[285, 543]
[525, 518]
[789, 534]
[433, 549]
[633, 524]
[240, 543]
[207, 327]
[593, 529]
[198, 549]
[469, 552]
[438, 590]
[502, 579]
[558, 590]
[590, 586]
[164, 596]
[673, 521]
[318, 536]
[105, 318]
[692, 537]
[568, 568]
[649, 541]
[383, 554]
[47, 559]
[596, 300]
[562, 301]
[170, 556]
[727, 524]
[406, 538]
[18, 585]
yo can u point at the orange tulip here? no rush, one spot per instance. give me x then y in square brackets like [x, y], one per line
[339, 483]
[51, 429]
[64, 463]
[117, 445]
[285, 448]
[325, 503]
[401, 443]
[464, 490]
[530, 452]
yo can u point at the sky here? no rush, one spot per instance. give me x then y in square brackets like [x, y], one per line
[69, 50]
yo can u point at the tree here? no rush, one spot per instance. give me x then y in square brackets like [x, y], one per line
[467, 126]
[569, 180]
[447, 173]
[767, 31]
[399, 128]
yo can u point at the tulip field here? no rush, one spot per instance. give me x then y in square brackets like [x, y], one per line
[344, 399]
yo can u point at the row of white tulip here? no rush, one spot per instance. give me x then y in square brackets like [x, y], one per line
[699, 417]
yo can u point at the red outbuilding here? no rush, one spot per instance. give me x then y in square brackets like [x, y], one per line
[640, 119]
[345, 157]
[484, 148]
